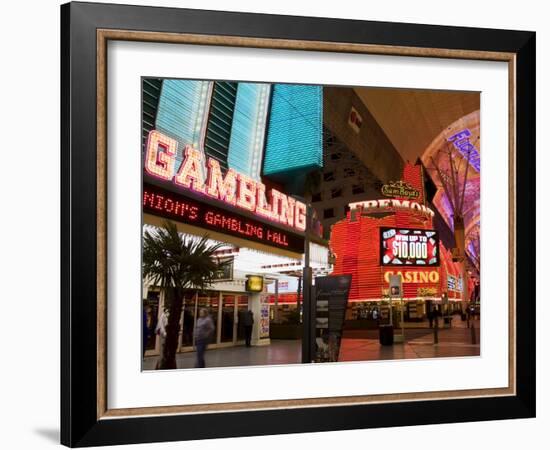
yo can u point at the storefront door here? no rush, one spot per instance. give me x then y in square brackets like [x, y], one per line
[188, 322]
[242, 307]
[225, 309]
[151, 307]
[228, 317]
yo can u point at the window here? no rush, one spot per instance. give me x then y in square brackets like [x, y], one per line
[328, 176]
[220, 119]
[316, 197]
[349, 172]
[336, 192]
[150, 102]
[328, 213]
[357, 189]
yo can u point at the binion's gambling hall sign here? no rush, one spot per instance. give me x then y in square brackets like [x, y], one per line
[286, 215]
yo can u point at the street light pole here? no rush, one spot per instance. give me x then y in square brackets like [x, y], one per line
[306, 302]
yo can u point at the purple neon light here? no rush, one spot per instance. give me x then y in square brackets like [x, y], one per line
[462, 143]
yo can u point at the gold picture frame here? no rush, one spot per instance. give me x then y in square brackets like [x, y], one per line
[78, 426]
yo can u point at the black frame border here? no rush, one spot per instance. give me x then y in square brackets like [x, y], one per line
[79, 423]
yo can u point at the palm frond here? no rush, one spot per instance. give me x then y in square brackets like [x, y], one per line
[171, 259]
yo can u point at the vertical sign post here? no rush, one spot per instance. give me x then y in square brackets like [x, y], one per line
[396, 291]
[306, 304]
[331, 300]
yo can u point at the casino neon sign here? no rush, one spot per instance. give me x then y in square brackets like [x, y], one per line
[234, 188]
[414, 276]
[385, 205]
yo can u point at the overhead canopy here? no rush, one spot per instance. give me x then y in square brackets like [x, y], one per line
[419, 123]
[413, 118]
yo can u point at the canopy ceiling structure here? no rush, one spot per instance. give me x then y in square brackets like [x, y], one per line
[419, 123]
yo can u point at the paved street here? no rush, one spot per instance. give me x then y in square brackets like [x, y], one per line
[357, 345]
[453, 342]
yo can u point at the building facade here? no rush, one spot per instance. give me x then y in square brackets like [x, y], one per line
[242, 162]
[220, 160]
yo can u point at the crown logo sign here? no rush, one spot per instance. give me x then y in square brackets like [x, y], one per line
[400, 189]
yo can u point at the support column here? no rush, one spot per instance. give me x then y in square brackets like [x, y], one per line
[276, 311]
[219, 315]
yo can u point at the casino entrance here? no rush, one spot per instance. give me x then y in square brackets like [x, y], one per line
[225, 308]
[228, 297]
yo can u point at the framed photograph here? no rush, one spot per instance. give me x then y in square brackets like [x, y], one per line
[278, 224]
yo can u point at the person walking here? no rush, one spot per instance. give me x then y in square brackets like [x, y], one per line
[145, 332]
[160, 331]
[430, 315]
[248, 322]
[203, 332]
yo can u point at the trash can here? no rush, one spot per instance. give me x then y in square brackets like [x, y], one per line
[386, 334]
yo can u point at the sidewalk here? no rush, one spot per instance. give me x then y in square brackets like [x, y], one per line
[456, 323]
[278, 352]
[453, 342]
[357, 345]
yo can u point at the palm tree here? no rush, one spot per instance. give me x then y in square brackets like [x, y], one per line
[175, 263]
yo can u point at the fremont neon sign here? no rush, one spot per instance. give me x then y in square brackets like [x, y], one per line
[384, 205]
[234, 189]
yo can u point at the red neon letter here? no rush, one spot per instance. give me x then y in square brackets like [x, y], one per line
[217, 186]
[160, 163]
[190, 174]
[300, 216]
[287, 210]
[247, 193]
[262, 208]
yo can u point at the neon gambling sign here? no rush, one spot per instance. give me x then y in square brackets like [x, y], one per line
[170, 205]
[234, 188]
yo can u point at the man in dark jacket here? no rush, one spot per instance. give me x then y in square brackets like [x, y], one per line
[248, 322]
[203, 332]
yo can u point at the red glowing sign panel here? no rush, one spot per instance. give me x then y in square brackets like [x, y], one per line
[409, 247]
[167, 204]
